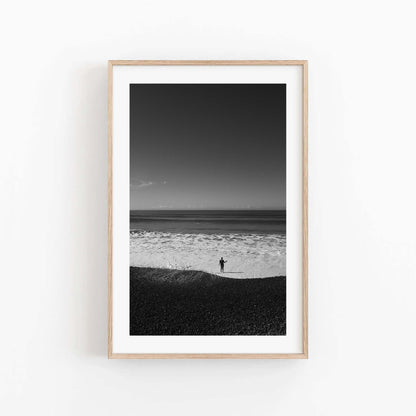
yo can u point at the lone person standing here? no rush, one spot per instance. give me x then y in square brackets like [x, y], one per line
[222, 262]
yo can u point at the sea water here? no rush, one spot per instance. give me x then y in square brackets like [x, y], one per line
[252, 242]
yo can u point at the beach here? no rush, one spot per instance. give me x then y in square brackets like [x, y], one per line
[177, 287]
[178, 302]
[253, 243]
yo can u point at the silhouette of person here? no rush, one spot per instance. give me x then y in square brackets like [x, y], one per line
[222, 262]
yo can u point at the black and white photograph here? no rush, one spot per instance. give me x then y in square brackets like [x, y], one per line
[207, 209]
[194, 208]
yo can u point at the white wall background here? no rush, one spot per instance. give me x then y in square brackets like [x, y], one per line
[53, 204]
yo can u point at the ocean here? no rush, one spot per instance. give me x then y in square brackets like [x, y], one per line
[252, 242]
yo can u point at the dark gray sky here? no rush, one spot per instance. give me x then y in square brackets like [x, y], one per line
[207, 146]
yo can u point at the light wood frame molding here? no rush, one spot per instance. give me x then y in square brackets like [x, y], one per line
[304, 65]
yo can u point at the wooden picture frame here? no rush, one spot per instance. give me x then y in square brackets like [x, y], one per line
[303, 65]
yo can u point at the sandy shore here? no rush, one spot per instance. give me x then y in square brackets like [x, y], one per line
[189, 302]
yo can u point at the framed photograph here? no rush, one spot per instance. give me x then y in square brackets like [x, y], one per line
[208, 202]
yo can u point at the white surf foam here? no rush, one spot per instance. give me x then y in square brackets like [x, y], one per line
[247, 255]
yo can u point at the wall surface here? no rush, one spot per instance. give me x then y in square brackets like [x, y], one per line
[53, 173]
